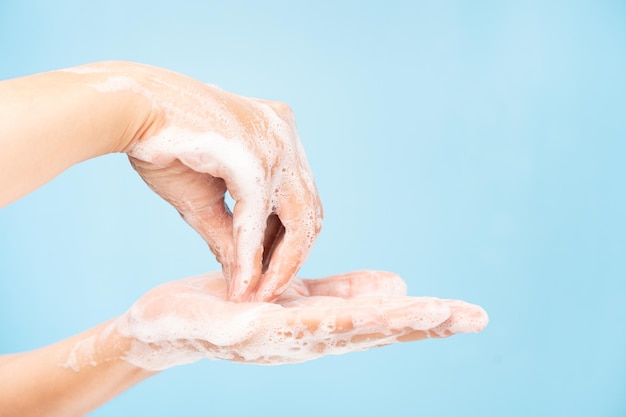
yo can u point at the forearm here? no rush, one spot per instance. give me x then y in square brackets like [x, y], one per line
[51, 121]
[69, 378]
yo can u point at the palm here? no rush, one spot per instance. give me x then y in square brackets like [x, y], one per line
[198, 197]
[187, 320]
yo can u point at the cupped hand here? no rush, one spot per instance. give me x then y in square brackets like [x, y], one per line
[184, 321]
[202, 142]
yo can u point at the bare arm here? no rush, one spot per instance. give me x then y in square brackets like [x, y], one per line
[68, 378]
[51, 121]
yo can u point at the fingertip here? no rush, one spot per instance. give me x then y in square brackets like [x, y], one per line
[464, 318]
[238, 293]
[271, 287]
[288, 256]
[240, 285]
[480, 320]
[469, 318]
[249, 226]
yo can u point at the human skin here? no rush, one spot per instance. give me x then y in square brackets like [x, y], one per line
[185, 139]
[184, 321]
[190, 142]
[36, 383]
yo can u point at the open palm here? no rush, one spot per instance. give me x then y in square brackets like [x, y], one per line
[187, 320]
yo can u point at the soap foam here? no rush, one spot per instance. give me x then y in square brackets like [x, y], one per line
[184, 321]
[82, 353]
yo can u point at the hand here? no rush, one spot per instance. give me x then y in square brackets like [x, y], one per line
[199, 143]
[184, 321]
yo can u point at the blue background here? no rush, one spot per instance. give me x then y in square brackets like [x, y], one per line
[475, 148]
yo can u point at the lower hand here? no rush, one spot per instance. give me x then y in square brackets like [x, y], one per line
[188, 320]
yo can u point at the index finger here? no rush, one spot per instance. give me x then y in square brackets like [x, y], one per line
[333, 326]
[248, 231]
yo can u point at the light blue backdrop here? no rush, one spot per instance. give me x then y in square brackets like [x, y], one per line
[476, 148]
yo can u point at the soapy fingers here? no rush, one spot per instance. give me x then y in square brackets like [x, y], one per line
[290, 222]
[301, 217]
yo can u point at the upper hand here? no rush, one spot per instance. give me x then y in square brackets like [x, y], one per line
[187, 320]
[205, 141]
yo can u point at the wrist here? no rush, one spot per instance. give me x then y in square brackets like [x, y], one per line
[102, 347]
[125, 93]
[96, 369]
[54, 120]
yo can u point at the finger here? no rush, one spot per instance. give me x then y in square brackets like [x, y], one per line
[287, 258]
[464, 318]
[214, 222]
[302, 223]
[250, 212]
[358, 284]
[375, 315]
[418, 313]
[249, 221]
[336, 326]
